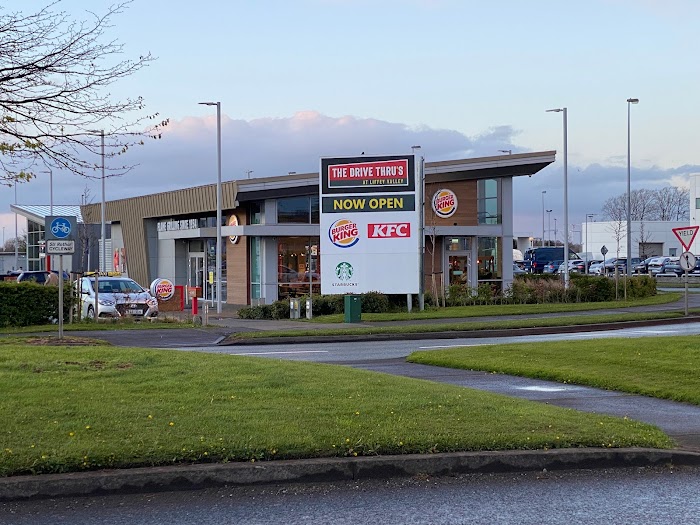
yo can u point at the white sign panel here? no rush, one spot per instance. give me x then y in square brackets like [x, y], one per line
[370, 225]
[55, 247]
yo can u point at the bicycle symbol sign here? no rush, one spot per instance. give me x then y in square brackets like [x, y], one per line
[60, 227]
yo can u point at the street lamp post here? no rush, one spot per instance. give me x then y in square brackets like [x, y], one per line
[543, 192]
[16, 236]
[103, 235]
[566, 198]
[630, 101]
[549, 227]
[555, 231]
[218, 202]
[588, 216]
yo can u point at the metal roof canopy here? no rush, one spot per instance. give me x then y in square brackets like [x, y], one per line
[37, 213]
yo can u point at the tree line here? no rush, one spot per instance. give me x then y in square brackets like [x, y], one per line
[664, 204]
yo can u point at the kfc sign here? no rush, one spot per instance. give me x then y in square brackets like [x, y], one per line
[392, 230]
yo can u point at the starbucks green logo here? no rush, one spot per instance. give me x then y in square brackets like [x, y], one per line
[344, 271]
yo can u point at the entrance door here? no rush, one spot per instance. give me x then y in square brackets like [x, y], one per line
[195, 275]
[460, 269]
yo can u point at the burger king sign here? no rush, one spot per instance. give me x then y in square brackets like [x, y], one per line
[162, 289]
[444, 203]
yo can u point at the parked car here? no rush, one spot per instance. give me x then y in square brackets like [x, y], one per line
[552, 266]
[117, 297]
[643, 266]
[575, 266]
[536, 258]
[38, 276]
[517, 270]
[657, 265]
[671, 267]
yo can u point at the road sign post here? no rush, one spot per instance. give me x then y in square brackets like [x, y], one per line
[60, 240]
[687, 262]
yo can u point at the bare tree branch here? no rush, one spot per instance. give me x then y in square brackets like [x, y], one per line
[54, 76]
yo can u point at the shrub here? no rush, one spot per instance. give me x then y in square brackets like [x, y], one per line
[26, 304]
[375, 302]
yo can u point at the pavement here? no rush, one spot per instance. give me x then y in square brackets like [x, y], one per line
[185, 477]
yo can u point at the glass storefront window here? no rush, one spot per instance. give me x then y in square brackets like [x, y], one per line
[458, 244]
[255, 264]
[255, 211]
[488, 259]
[293, 210]
[488, 201]
[315, 213]
[298, 261]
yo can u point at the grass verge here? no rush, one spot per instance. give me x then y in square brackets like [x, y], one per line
[461, 326]
[452, 312]
[663, 367]
[72, 409]
[103, 324]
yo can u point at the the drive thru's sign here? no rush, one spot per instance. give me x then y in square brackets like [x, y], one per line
[370, 225]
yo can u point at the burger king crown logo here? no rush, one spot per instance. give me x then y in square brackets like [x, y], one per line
[344, 233]
[444, 203]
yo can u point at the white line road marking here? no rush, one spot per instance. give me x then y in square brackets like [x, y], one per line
[454, 346]
[290, 352]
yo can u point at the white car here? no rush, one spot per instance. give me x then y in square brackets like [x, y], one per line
[117, 297]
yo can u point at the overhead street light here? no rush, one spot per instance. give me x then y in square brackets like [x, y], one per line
[543, 192]
[549, 226]
[588, 216]
[103, 265]
[218, 202]
[566, 199]
[630, 101]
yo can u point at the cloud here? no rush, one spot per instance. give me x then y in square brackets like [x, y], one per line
[186, 156]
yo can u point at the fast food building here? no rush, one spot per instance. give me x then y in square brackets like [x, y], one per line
[272, 238]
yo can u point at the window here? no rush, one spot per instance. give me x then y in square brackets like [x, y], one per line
[255, 212]
[489, 264]
[697, 203]
[298, 266]
[294, 210]
[255, 264]
[488, 201]
[458, 244]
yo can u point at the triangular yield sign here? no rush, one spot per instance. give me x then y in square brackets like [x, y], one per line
[686, 235]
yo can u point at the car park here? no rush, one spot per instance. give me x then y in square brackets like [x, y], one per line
[643, 266]
[116, 297]
[552, 267]
[575, 266]
[671, 267]
[536, 258]
[657, 265]
[38, 276]
[517, 270]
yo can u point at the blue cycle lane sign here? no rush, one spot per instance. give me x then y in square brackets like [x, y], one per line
[60, 234]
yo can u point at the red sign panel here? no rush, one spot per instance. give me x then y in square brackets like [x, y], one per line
[395, 230]
[380, 173]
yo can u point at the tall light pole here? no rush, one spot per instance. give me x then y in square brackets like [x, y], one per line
[630, 101]
[103, 235]
[566, 198]
[543, 192]
[549, 227]
[588, 216]
[16, 235]
[555, 231]
[49, 260]
[218, 202]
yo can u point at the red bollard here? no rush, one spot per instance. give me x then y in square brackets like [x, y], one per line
[195, 309]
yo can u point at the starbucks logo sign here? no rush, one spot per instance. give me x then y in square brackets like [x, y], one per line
[344, 271]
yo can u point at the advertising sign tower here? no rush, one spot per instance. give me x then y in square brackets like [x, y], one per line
[370, 225]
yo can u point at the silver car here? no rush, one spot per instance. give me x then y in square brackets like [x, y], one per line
[117, 297]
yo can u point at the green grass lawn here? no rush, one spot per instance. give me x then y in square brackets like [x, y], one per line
[102, 324]
[496, 324]
[505, 309]
[70, 409]
[663, 367]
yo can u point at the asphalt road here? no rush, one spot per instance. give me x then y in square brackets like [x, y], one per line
[621, 496]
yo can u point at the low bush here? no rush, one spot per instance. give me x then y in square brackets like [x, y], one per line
[28, 303]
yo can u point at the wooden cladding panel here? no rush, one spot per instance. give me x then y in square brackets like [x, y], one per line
[466, 214]
[237, 269]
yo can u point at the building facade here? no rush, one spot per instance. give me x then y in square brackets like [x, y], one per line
[271, 233]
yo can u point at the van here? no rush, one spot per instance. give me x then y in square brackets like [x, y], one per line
[536, 258]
